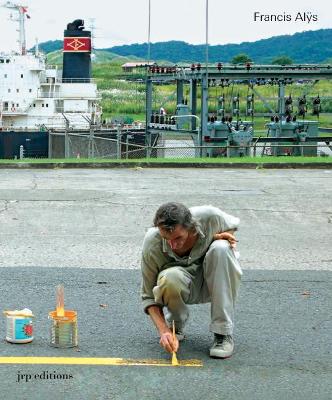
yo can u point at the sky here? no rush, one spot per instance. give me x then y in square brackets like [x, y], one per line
[120, 22]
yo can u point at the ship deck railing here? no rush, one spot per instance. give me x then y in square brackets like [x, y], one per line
[77, 80]
[47, 95]
[67, 80]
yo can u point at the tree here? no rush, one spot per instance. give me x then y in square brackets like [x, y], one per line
[241, 58]
[282, 60]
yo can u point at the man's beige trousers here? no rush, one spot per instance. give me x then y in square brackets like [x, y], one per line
[217, 282]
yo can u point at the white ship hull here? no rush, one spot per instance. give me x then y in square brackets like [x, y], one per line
[34, 96]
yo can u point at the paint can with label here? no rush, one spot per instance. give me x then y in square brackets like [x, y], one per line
[19, 326]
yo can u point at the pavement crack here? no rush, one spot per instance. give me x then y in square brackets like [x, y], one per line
[282, 211]
[282, 280]
[241, 190]
[34, 182]
[114, 203]
[3, 210]
[54, 200]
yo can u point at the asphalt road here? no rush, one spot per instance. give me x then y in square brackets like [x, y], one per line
[97, 218]
[53, 223]
[283, 339]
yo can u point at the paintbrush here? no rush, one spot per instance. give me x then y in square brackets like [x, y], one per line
[60, 301]
[174, 358]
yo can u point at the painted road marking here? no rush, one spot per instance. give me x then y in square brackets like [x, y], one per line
[96, 361]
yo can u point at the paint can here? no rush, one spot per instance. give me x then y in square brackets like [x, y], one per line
[63, 330]
[19, 326]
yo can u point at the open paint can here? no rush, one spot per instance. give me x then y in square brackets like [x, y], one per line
[63, 330]
[19, 326]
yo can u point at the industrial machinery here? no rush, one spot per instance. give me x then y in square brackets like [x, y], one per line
[228, 138]
[224, 132]
[299, 131]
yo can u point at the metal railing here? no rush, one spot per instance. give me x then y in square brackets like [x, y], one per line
[56, 95]
[66, 80]
[76, 80]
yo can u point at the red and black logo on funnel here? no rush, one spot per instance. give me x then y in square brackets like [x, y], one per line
[77, 44]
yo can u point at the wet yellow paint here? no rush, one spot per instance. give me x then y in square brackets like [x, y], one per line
[174, 359]
[96, 361]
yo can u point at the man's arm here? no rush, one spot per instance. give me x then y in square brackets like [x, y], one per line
[149, 269]
[225, 225]
[166, 337]
[149, 280]
[227, 235]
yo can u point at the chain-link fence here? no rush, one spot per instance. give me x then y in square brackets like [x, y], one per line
[125, 146]
[112, 146]
[182, 150]
[168, 146]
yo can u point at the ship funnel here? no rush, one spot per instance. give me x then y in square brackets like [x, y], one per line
[76, 53]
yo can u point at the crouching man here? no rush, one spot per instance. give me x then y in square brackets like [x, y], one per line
[189, 258]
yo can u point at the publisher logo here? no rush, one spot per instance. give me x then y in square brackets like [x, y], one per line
[43, 376]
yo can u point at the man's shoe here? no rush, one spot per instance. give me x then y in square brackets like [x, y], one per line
[179, 334]
[223, 346]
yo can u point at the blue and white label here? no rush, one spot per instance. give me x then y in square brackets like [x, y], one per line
[23, 328]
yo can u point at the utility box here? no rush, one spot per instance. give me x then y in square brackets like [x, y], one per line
[239, 143]
[228, 139]
[182, 122]
[298, 131]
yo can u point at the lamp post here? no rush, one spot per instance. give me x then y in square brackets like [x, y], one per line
[206, 36]
[205, 82]
[149, 32]
[148, 100]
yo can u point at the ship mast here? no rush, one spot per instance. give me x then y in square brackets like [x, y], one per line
[22, 10]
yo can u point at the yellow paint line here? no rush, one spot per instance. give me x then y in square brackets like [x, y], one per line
[96, 361]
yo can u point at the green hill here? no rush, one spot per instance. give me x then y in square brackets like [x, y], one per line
[98, 57]
[49, 46]
[304, 47]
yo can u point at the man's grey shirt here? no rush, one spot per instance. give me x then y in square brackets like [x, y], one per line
[157, 255]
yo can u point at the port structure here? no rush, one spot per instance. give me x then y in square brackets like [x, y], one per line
[218, 129]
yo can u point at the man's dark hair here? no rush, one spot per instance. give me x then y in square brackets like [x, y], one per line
[170, 214]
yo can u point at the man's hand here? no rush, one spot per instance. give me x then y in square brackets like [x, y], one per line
[167, 342]
[166, 335]
[226, 236]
